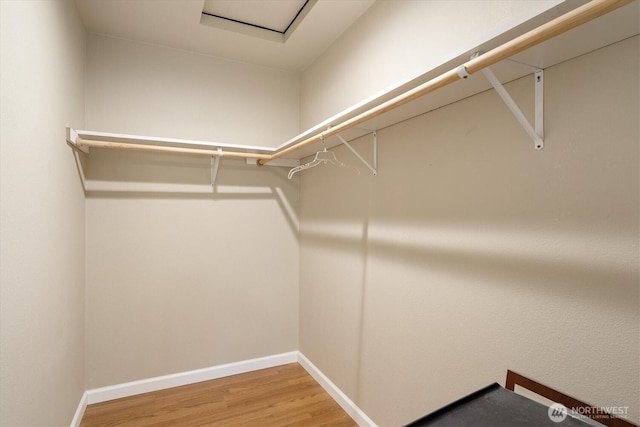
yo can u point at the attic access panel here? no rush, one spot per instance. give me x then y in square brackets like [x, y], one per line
[267, 19]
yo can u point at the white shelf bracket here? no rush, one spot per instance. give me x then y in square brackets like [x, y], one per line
[373, 168]
[215, 164]
[537, 133]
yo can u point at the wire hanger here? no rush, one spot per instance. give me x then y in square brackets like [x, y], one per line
[322, 157]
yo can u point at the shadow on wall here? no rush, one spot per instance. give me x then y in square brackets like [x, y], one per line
[507, 261]
[412, 278]
[110, 174]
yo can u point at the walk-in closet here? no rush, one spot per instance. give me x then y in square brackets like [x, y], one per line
[388, 205]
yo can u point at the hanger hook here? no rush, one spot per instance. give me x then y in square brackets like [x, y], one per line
[322, 140]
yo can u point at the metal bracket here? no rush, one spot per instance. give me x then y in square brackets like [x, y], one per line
[537, 133]
[374, 168]
[215, 164]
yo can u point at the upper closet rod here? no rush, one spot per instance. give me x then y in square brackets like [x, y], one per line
[566, 22]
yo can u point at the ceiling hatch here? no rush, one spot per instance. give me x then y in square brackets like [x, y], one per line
[267, 19]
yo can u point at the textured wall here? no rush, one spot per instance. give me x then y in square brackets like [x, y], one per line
[41, 214]
[145, 89]
[180, 278]
[471, 253]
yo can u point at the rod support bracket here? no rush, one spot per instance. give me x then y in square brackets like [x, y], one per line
[373, 168]
[535, 132]
[462, 72]
[72, 140]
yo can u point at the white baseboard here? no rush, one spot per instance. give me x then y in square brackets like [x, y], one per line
[183, 378]
[347, 404]
[133, 388]
[77, 418]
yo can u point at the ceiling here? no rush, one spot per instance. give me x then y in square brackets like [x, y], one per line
[181, 24]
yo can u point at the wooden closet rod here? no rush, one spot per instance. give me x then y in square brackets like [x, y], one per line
[81, 142]
[566, 22]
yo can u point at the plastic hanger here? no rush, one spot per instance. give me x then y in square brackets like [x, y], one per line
[322, 157]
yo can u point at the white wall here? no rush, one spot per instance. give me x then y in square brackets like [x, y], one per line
[186, 280]
[180, 277]
[146, 89]
[471, 253]
[395, 41]
[41, 215]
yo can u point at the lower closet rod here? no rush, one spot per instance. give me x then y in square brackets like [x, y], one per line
[81, 142]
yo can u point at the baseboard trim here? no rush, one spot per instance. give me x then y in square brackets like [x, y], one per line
[77, 417]
[133, 388]
[347, 404]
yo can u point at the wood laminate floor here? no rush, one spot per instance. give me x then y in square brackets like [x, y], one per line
[282, 396]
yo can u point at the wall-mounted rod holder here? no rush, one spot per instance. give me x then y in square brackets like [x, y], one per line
[537, 133]
[373, 168]
[72, 140]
